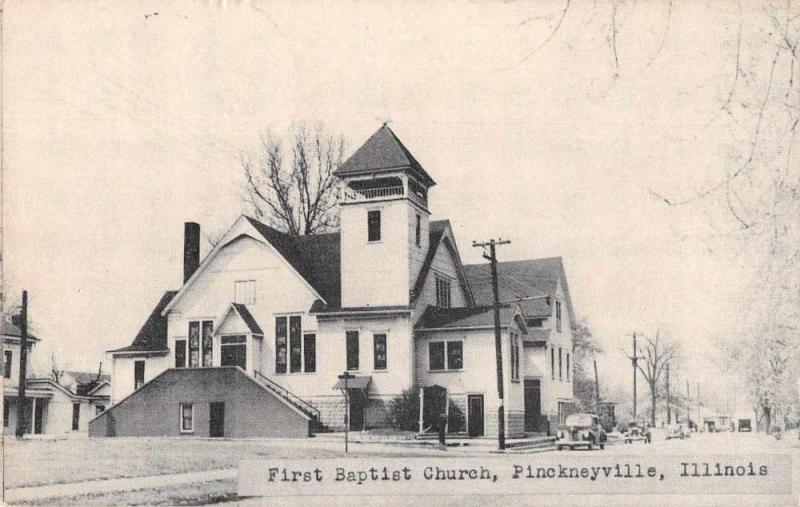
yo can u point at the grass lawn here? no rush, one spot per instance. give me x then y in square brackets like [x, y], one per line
[186, 494]
[39, 462]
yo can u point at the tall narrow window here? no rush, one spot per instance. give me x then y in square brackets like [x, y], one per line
[244, 292]
[138, 374]
[436, 356]
[76, 416]
[455, 355]
[187, 417]
[7, 358]
[559, 363]
[374, 225]
[194, 344]
[352, 350]
[514, 357]
[552, 363]
[558, 316]
[567, 366]
[295, 345]
[418, 233]
[310, 352]
[208, 328]
[380, 351]
[442, 292]
[6, 412]
[180, 353]
[280, 344]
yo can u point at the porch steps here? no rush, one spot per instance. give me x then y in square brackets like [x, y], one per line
[532, 445]
[294, 400]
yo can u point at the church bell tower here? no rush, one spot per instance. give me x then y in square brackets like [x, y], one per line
[384, 221]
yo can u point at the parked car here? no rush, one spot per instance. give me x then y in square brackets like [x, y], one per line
[744, 425]
[581, 430]
[676, 431]
[636, 431]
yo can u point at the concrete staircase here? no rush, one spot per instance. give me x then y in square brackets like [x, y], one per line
[532, 445]
[300, 404]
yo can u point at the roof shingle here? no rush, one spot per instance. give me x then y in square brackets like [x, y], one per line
[152, 337]
[383, 151]
[315, 256]
[476, 316]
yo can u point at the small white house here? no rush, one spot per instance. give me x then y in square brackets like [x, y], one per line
[386, 298]
[63, 407]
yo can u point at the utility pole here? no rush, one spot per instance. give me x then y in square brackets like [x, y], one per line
[698, 403]
[22, 414]
[689, 407]
[596, 389]
[669, 414]
[634, 361]
[498, 343]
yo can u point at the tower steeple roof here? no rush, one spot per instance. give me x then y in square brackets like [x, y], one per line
[383, 152]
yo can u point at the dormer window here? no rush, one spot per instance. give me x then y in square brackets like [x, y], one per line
[442, 292]
[373, 225]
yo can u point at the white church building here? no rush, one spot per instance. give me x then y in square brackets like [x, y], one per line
[255, 340]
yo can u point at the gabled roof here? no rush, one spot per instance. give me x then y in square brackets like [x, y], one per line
[316, 257]
[8, 328]
[477, 316]
[382, 152]
[247, 318]
[436, 231]
[520, 280]
[152, 337]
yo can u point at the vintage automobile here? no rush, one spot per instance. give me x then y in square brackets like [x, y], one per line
[581, 430]
[636, 431]
[676, 431]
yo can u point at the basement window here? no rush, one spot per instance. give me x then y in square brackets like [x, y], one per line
[187, 417]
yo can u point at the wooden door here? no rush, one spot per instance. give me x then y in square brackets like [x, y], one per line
[533, 404]
[357, 402]
[216, 419]
[475, 415]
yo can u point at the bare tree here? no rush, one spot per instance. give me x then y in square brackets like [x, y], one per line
[755, 199]
[584, 348]
[295, 192]
[654, 357]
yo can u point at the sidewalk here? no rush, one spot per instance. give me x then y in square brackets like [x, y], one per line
[70, 489]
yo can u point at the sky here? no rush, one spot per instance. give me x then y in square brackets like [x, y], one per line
[122, 120]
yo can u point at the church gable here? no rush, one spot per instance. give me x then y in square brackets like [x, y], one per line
[444, 266]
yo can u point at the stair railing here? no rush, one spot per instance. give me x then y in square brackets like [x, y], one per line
[311, 409]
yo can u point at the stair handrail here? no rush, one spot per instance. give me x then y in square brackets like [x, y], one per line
[288, 394]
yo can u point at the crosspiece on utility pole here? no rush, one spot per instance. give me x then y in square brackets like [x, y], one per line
[498, 344]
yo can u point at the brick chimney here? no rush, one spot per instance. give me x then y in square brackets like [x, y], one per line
[191, 249]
